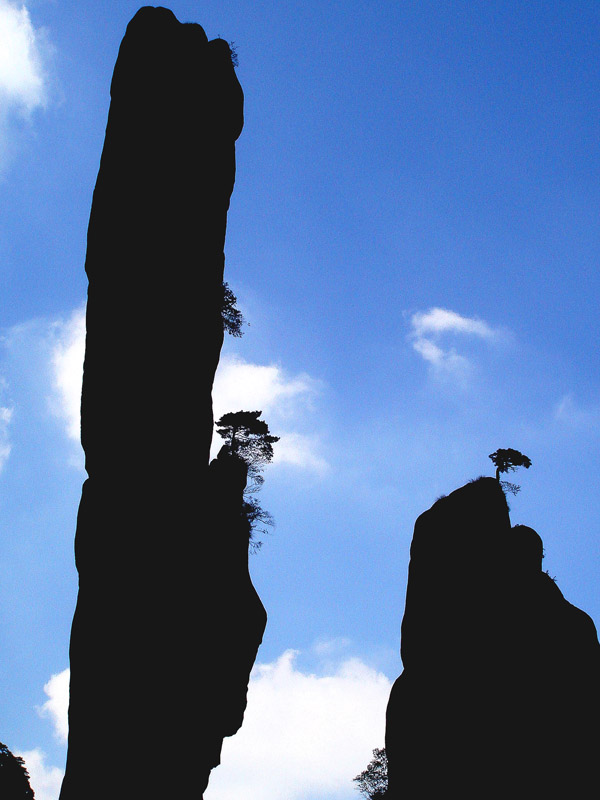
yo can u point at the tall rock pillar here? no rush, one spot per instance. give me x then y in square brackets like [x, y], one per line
[147, 693]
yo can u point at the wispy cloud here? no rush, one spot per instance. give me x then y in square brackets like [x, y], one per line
[67, 370]
[300, 450]
[5, 419]
[441, 320]
[43, 368]
[429, 334]
[448, 361]
[24, 55]
[304, 735]
[285, 401]
[577, 417]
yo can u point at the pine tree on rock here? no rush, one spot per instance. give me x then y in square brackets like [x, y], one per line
[248, 437]
[372, 783]
[507, 460]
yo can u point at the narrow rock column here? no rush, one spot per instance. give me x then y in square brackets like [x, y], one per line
[146, 636]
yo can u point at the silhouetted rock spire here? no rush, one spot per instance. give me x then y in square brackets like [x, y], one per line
[155, 242]
[167, 622]
[499, 696]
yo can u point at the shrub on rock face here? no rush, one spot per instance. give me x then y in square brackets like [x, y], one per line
[14, 778]
[372, 783]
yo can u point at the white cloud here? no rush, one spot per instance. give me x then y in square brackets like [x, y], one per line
[283, 399]
[44, 367]
[44, 780]
[575, 416]
[447, 360]
[57, 705]
[442, 320]
[21, 71]
[305, 736]
[428, 327]
[67, 369]
[299, 450]
[242, 385]
[24, 54]
[5, 419]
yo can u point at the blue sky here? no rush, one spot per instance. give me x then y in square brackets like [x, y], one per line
[413, 240]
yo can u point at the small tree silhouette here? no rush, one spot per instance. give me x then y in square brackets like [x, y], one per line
[372, 783]
[234, 54]
[14, 778]
[507, 460]
[232, 316]
[247, 437]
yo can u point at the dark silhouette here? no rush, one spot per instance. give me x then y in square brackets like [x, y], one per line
[167, 622]
[247, 437]
[373, 781]
[232, 317]
[238, 618]
[499, 696]
[14, 778]
[507, 461]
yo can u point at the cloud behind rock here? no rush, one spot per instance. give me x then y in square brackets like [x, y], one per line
[304, 735]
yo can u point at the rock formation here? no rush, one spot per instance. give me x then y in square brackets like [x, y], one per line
[167, 622]
[499, 696]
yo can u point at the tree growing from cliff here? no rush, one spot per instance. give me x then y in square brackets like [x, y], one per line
[372, 783]
[248, 437]
[231, 315]
[508, 460]
[14, 778]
